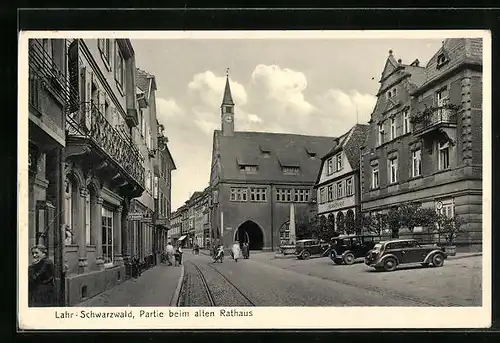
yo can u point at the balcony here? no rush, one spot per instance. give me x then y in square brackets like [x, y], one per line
[90, 126]
[434, 119]
[44, 73]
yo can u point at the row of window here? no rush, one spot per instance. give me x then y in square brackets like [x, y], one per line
[242, 194]
[416, 165]
[441, 98]
[256, 194]
[299, 195]
[393, 134]
[336, 191]
[334, 164]
[104, 46]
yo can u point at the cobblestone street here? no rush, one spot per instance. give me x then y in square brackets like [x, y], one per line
[319, 282]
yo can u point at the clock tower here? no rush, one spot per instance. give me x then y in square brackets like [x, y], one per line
[227, 110]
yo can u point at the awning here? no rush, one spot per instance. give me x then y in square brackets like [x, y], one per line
[181, 237]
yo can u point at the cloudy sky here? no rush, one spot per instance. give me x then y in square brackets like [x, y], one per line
[313, 87]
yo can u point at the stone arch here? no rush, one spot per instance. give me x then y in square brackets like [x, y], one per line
[252, 231]
[94, 187]
[76, 177]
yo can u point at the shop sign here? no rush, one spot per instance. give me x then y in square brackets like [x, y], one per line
[135, 216]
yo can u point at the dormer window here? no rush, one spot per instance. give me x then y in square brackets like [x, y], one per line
[266, 152]
[389, 94]
[311, 153]
[291, 170]
[441, 60]
[248, 168]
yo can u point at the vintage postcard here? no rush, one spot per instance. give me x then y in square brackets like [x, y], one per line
[254, 179]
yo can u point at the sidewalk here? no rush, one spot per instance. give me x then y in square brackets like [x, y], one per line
[158, 286]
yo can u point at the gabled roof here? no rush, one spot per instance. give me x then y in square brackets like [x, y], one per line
[350, 143]
[283, 149]
[390, 66]
[145, 81]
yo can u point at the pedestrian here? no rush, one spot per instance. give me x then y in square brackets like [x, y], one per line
[41, 286]
[245, 250]
[236, 251]
[170, 253]
[178, 254]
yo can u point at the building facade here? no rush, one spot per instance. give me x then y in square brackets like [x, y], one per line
[425, 139]
[49, 101]
[338, 185]
[142, 209]
[176, 223]
[256, 176]
[104, 169]
[163, 184]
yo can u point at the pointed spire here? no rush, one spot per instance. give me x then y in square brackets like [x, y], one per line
[228, 98]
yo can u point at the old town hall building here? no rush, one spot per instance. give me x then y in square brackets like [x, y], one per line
[256, 176]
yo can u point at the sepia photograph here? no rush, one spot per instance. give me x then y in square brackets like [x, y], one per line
[183, 179]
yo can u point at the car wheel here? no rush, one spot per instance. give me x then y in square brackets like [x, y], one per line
[349, 258]
[306, 254]
[438, 260]
[390, 264]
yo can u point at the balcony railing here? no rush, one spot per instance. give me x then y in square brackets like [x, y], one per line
[44, 71]
[90, 123]
[434, 118]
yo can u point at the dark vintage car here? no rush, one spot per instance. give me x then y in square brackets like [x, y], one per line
[346, 249]
[390, 254]
[304, 248]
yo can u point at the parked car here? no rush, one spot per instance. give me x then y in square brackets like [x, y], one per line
[346, 249]
[390, 254]
[304, 248]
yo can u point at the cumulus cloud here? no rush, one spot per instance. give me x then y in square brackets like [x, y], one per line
[284, 87]
[167, 108]
[206, 89]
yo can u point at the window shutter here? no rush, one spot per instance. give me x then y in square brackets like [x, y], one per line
[87, 93]
[73, 68]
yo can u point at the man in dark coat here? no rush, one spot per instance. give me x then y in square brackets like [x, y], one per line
[41, 279]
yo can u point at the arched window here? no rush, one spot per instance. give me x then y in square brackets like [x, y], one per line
[331, 222]
[340, 221]
[349, 221]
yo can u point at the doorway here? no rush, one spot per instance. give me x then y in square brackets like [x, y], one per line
[251, 233]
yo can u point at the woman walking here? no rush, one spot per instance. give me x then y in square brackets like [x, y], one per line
[236, 251]
[41, 279]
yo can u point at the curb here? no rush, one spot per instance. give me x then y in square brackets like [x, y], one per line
[177, 293]
[461, 257]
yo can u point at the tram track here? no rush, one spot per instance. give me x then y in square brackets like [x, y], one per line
[197, 290]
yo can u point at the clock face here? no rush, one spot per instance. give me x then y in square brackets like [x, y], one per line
[228, 119]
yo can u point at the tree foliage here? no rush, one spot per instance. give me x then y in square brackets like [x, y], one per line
[450, 227]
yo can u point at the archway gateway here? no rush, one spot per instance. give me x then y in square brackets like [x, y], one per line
[251, 233]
